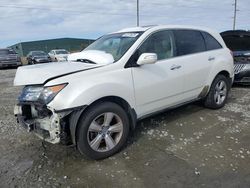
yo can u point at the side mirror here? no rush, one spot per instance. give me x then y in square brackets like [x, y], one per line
[147, 58]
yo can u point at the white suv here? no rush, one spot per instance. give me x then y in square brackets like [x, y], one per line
[96, 99]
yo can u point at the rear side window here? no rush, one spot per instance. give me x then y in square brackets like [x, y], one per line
[189, 42]
[211, 42]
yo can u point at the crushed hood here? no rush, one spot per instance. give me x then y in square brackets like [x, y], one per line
[38, 74]
[99, 57]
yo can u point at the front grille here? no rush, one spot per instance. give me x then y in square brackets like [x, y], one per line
[238, 68]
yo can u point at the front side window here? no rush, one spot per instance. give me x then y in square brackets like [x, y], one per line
[161, 43]
[115, 44]
[211, 42]
[189, 42]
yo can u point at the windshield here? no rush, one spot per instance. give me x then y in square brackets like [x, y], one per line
[115, 44]
[38, 53]
[61, 52]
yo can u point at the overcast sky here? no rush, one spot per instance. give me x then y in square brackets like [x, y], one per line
[26, 20]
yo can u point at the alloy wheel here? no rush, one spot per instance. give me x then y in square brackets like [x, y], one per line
[105, 132]
[220, 92]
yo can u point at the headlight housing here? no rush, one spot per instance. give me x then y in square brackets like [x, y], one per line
[40, 93]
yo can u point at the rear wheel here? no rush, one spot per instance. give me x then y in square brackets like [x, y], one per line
[218, 92]
[102, 130]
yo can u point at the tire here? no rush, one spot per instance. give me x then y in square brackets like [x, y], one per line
[98, 135]
[218, 93]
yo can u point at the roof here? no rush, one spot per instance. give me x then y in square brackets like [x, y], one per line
[150, 29]
[156, 27]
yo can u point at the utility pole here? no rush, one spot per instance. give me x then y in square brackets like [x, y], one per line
[235, 12]
[138, 19]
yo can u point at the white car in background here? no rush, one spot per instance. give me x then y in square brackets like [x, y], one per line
[59, 55]
[95, 100]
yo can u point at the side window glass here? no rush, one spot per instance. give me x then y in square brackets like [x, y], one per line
[189, 42]
[211, 42]
[161, 43]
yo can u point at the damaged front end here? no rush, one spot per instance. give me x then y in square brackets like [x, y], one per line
[33, 113]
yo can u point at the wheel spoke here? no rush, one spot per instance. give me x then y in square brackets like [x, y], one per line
[95, 127]
[110, 143]
[96, 142]
[217, 87]
[116, 128]
[223, 92]
[222, 85]
[108, 117]
[218, 99]
[216, 96]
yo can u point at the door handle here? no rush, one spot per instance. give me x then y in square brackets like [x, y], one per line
[174, 67]
[211, 58]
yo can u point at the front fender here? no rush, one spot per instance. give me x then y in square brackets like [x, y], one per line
[82, 91]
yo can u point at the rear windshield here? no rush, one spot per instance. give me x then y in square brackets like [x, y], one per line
[38, 53]
[7, 52]
[61, 52]
[237, 43]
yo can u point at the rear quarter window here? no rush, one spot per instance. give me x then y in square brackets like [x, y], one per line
[211, 42]
[189, 42]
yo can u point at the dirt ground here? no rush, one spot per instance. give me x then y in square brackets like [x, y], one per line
[187, 147]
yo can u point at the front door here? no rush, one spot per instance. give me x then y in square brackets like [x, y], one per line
[159, 85]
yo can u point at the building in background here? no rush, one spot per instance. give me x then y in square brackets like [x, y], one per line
[69, 44]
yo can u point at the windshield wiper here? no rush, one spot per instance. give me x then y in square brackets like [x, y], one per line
[86, 61]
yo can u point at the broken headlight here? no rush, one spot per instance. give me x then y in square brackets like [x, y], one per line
[40, 93]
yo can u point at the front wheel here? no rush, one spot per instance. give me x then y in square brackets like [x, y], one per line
[102, 130]
[218, 93]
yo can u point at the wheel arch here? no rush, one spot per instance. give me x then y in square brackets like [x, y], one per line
[207, 87]
[226, 74]
[75, 116]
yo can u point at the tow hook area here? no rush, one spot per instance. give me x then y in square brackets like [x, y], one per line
[43, 121]
[49, 128]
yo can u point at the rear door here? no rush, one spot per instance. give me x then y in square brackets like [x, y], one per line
[191, 52]
[158, 85]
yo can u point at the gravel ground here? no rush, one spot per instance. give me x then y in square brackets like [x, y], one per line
[188, 147]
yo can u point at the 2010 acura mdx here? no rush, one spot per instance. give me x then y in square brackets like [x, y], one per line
[94, 101]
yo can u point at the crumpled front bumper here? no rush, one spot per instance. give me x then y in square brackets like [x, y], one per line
[41, 120]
